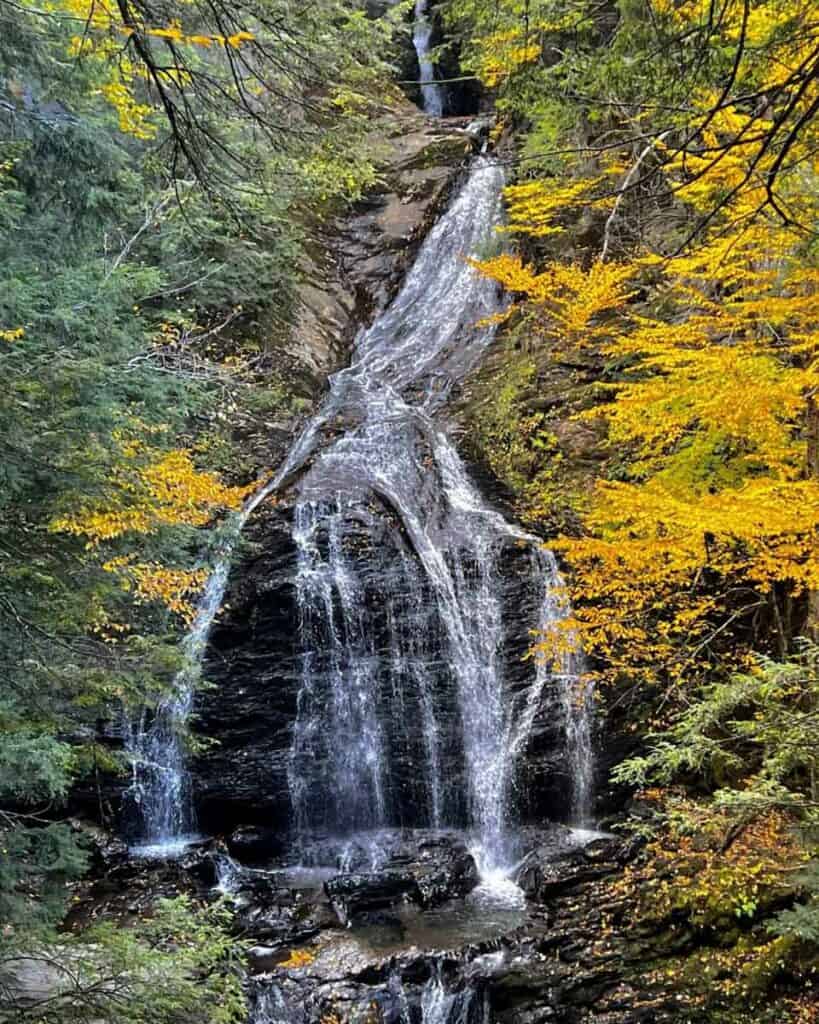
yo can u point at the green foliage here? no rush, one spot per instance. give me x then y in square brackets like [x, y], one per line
[181, 966]
[34, 767]
[36, 863]
[551, 124]
[514, 440]
[148, 268]
[752, 738]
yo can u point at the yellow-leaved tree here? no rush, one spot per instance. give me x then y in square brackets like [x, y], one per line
[707, 524]
[149, 491]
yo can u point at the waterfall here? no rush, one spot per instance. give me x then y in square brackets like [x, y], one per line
[439, 1005]
[439, 1000]
[432, 96]
[578, 711]
[410, 588]
[160, 789]
[404, 571]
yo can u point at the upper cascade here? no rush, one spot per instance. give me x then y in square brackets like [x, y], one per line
[432, 94]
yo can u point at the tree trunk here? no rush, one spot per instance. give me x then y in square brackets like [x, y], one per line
[812, 473]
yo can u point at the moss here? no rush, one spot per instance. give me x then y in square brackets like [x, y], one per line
[519, 418]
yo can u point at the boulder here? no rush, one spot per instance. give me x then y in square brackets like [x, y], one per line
[433, 872]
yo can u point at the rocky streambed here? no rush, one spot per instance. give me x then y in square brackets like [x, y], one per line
[401, 927]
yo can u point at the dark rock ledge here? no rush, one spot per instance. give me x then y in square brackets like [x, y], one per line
[331, 941]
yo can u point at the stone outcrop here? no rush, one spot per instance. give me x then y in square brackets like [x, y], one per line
[577, 953]
[576, 959]
[427, 873]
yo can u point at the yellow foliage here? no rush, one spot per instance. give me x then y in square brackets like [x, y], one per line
[692, 872]
[695, 400]
[707, 414]
[299, 958]
[502, 54]
[101, 41]
[173, 32]
[237, 39]
[533, 206]
[511, 45]
[148, 491]
[572, 299]
[133, 116]
[150, 581]
[12, 334]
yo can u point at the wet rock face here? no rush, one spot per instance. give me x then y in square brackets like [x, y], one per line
[278, 915]
[255, 844]
[254, 667]
[435, 871]
[358, 260]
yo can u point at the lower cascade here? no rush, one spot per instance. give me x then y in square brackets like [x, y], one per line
[438, 1001]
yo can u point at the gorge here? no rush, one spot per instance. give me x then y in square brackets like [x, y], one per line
[408, 608]
[408, 532]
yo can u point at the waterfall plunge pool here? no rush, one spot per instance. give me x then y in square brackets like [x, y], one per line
[394, 890]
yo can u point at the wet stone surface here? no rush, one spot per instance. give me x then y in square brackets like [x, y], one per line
[436, 870]
[552, 940]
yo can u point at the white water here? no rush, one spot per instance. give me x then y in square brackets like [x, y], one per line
[432, 97]
[403, 585]
[228, 873]
[442, 1005]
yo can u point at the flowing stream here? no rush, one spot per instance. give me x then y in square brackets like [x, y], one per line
[432, 95]
[410, 589]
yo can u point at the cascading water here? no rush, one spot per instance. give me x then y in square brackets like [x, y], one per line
[403, 572]
[578, 712]
[408, 587]
[160, 791]
[432, 95]
[440, 1005]
[438, 1000]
